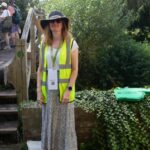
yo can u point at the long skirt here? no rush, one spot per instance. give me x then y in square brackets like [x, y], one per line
[58, 124]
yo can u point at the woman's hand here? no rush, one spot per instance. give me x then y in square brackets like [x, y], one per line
[40, 97]
[66, 97]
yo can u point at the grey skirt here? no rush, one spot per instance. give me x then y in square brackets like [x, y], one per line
[58, 124]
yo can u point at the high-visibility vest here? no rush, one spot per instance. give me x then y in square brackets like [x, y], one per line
[64, 70]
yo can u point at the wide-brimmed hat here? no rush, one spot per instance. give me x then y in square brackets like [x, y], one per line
[4, 4]
[53, 16]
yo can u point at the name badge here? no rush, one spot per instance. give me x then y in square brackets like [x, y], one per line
[52, 79]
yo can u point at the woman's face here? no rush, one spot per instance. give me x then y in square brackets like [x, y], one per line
[56, 25]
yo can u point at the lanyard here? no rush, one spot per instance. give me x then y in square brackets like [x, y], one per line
[53, 58]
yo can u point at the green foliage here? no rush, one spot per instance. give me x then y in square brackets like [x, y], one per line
[120, 125]
[24, 6]
[140, 28]
[24, 146]
[125, 63]
[28, 104]
[108, 57]
[5, 87]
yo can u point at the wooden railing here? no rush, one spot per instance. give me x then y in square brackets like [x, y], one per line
[23, 67]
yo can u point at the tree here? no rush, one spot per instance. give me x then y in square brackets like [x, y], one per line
[140, 28]
[24, 6]
[100, 28]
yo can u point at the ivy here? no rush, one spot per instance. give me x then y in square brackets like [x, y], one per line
[120, 125]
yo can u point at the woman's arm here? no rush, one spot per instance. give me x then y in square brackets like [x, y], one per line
[74, 74]
[74, 67]
[39, 74]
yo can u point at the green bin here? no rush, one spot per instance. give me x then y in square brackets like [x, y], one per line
[130, 94]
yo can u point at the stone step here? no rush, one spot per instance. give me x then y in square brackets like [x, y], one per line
[10, 147]
[8, 108]
[8, 94]
[4, 117]
[8, 127]
[8, 97]
[8, 139]
[6, 58]
[9, 133]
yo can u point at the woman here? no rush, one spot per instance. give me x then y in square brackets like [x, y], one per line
[58, 69]
[5, 30]
[15, 25]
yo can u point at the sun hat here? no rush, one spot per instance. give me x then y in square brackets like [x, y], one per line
[4, 4]
[53, 16]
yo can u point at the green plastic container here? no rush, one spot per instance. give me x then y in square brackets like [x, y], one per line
[130, 94]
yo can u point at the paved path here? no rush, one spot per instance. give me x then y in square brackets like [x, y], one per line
[34, 145]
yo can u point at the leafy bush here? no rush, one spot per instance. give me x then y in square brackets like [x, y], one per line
[120, 125]
[108, 57]
[125, 63]
[140, 28]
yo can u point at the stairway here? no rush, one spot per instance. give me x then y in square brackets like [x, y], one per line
[8, 117]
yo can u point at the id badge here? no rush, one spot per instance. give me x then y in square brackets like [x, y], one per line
[52, 79]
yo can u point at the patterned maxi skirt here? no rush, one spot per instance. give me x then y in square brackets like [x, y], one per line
[58, 124]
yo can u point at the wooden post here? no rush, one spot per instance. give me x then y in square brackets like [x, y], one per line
[33, 50]
[21, 70]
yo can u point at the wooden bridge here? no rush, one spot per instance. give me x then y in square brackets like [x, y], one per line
[17, 67]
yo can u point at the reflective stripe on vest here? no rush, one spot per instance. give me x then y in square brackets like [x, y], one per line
[64, 70]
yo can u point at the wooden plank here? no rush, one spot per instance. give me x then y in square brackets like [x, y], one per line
[6, 58]
[28, 72]
[8, 93]
[11, 75]
[33, 50]
[10, 147]
[8, 108]
[18, 70]
[39, 12]
[22, 88]
[24, 71]
[27, 24]
[8, 127]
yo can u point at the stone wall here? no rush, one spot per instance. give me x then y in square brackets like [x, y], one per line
[84, 123]
[31, 119]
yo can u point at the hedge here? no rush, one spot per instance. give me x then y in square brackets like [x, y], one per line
[120, 125]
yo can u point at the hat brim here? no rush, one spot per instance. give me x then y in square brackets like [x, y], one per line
[45, 22]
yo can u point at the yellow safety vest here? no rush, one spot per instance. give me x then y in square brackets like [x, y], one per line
[64, 70]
